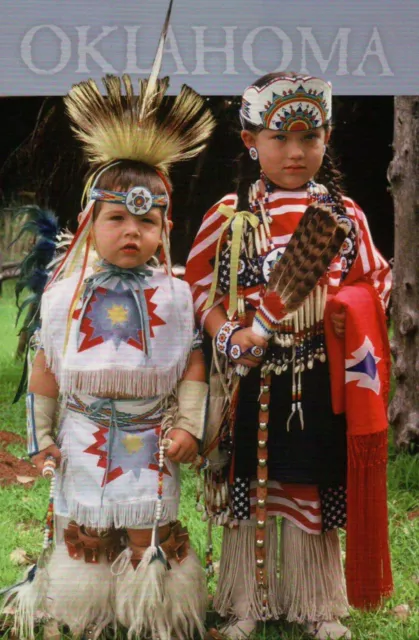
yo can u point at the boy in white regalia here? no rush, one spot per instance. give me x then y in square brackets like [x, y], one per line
[117, 343]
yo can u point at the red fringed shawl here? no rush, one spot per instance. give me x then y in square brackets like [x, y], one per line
[360, 371]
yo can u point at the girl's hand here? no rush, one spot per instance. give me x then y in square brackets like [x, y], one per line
[184, 447]
[338, 322]
[246, 339]
[40, 457]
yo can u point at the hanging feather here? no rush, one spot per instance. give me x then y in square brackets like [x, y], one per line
[33, 269]
[152, 84]
[29, 577]
[117, 128]
[28, 596]
[34, 273]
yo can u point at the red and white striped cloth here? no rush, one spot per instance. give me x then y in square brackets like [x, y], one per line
[286, 209]
[297, 502]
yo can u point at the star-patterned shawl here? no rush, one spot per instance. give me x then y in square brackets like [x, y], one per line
[360, 371]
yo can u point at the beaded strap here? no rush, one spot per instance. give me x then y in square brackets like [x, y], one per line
[262, 488]
[197, 340]
[209, 566]
[48, 472]
[164, 444]
[269, 315]
[262, 240]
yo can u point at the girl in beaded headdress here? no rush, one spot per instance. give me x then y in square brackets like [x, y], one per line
[120, 362]
[295, 451]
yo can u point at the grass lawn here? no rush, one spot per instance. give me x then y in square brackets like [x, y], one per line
[23, 510]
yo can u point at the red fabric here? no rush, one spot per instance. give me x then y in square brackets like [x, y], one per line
[286, 209]
[274, 304]
[359, 373]
[300, 503]
[168, 187]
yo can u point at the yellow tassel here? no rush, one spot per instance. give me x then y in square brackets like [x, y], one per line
[236, 219]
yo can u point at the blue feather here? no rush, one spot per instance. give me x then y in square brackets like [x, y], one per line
[37, 280]
[43, 224]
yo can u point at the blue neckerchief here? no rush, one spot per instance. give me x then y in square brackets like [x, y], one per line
[134, 277]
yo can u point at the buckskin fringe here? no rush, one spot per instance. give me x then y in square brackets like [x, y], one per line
[121, 515]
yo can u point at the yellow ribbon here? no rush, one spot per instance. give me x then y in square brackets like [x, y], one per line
[236, 219]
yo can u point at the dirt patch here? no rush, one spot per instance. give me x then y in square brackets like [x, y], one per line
[11, 467]
[7, 437]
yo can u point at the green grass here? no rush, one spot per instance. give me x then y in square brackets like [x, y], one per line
[23, 510]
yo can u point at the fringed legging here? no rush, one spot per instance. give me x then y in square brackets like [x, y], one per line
[311, 585]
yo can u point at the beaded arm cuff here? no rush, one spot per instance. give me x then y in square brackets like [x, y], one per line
[222, 340]
[269, 315]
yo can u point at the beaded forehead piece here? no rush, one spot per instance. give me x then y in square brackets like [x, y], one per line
[138, 200]
[288, 104]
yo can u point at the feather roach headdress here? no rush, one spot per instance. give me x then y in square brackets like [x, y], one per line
[140, 126]
[126, 126]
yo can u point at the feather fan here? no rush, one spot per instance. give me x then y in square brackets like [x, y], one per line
[311, 249]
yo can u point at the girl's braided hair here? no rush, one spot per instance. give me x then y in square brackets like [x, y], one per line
[248, 170]
[331, 177]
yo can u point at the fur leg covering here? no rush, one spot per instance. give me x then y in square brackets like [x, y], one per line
[79, 593]
[237, 593]
[312, 584]
[27, 600]
[158, 602]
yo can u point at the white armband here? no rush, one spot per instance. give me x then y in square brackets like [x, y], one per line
[40, 414]
[192, 407]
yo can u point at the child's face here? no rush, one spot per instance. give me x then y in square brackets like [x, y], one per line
[289, 158]
[124, 239]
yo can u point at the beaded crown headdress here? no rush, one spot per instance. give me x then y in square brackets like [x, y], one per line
[288, 103]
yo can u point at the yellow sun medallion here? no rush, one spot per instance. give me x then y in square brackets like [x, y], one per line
[132, 443]
[118, 314]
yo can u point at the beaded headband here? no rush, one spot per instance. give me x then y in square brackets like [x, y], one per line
[138, 200]
[288, 104]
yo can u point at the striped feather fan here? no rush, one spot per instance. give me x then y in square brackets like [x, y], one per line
[312, 247]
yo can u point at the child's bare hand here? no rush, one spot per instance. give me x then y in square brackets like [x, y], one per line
[184, 447]
[40, 457]
[338, 321]
[246, 339]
